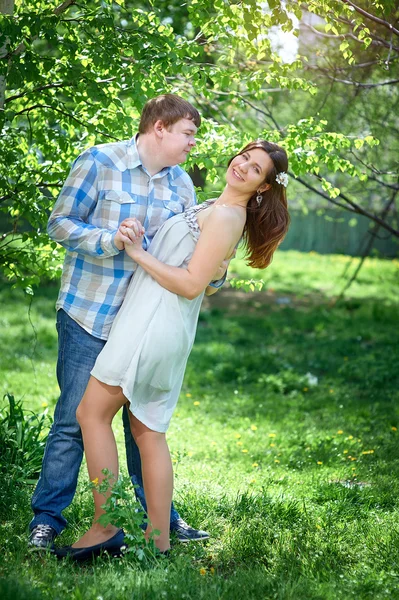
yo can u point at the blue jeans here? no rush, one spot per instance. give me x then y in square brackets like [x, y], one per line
[77, 353]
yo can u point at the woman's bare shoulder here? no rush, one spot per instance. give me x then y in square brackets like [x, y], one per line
[231, 215]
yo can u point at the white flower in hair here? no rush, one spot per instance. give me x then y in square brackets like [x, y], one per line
[282, 179]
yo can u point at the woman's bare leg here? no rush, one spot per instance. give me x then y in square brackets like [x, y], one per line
[157, 479]
[95, 412]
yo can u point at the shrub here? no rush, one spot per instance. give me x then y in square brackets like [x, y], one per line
[22, 439]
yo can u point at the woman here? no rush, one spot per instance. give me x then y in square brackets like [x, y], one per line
[144, 359]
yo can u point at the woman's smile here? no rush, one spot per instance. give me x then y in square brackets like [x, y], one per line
[237, 175]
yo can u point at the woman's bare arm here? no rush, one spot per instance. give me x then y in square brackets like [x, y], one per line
[221, 231]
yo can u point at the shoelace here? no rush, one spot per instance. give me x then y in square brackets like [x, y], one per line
[42, 531]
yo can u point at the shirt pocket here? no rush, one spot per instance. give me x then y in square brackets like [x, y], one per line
[119, 197]
[113, 206]
[174, 206]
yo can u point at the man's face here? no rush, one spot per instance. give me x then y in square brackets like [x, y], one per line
[177, 141]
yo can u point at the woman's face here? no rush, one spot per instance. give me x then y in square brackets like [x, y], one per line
[248, 171]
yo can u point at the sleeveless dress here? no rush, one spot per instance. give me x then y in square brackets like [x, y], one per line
[154, 330]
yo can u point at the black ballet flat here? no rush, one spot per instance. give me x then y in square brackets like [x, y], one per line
[114, 547]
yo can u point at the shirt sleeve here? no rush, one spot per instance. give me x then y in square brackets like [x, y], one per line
[68, 224]
[217, 283]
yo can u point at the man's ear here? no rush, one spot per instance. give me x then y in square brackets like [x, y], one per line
[159, 128]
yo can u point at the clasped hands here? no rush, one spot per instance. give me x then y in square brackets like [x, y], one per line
[129, 238]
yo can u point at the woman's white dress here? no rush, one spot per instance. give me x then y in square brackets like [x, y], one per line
[154, 330]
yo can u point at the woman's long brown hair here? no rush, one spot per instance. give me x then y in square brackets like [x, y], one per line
[267, 223]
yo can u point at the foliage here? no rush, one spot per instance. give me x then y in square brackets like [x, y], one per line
[72, 75]
[22, 439]
[123, 510]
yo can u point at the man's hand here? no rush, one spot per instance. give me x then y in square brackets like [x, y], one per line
[129, 231]
[221, 270]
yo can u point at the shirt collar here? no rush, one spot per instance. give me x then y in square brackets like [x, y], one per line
[133, 160]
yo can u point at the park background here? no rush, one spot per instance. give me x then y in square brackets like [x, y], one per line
[285, 440]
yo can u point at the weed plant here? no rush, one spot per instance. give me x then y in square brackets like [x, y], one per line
[285, 445]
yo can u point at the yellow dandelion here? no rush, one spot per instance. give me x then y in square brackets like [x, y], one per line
[244, 450]
[350, 437]
[276, 460]
[353, 458]
[394, 428]
[340, 432]
[346, 451]
[196, 403]
[174, 460]
[253, 427]
[319, 462]
[239, 443]
[253, 481]
[255, 465]
[331, 391]
[272, 435]
[318, 526]
[305, 389]
[188, 395]
[95, 481]
[44, 405]
[237, 436]
[272, 445]
[368, 452]
[202, 571]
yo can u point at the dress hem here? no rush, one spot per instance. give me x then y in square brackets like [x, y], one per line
[133, 409]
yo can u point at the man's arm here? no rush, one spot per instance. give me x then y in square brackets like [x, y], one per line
[68, 221]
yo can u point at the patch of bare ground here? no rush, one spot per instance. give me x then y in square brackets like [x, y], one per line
[236, 301]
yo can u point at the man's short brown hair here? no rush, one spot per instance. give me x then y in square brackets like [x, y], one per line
[168, 108]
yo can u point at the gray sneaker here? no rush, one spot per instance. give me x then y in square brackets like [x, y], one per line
[42, 537]
[185, 533]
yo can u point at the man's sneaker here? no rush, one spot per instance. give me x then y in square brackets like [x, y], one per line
[42, 537]
[185, 533]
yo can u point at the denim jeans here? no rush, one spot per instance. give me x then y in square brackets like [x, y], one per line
[77, 353]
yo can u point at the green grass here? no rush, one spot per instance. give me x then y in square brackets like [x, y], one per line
[285, 444]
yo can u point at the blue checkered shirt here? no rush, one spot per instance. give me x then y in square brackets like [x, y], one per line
[107, 184]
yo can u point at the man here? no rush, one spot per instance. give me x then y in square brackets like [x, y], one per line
[108, 184]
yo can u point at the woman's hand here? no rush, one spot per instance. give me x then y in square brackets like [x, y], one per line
[133, 232]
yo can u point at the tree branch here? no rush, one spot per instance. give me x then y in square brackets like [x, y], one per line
[66, 114]
[355, 207]
[358, 84]
[370, 243]
[57, 11]
[362, 12]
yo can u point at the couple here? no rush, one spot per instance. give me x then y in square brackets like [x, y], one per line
[116, 198]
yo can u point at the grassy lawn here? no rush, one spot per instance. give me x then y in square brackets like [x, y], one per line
[285, 444]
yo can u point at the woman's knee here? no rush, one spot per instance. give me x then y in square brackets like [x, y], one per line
[143, 435]
[81, 414]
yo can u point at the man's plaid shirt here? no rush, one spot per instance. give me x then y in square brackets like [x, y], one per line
[107, 184]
